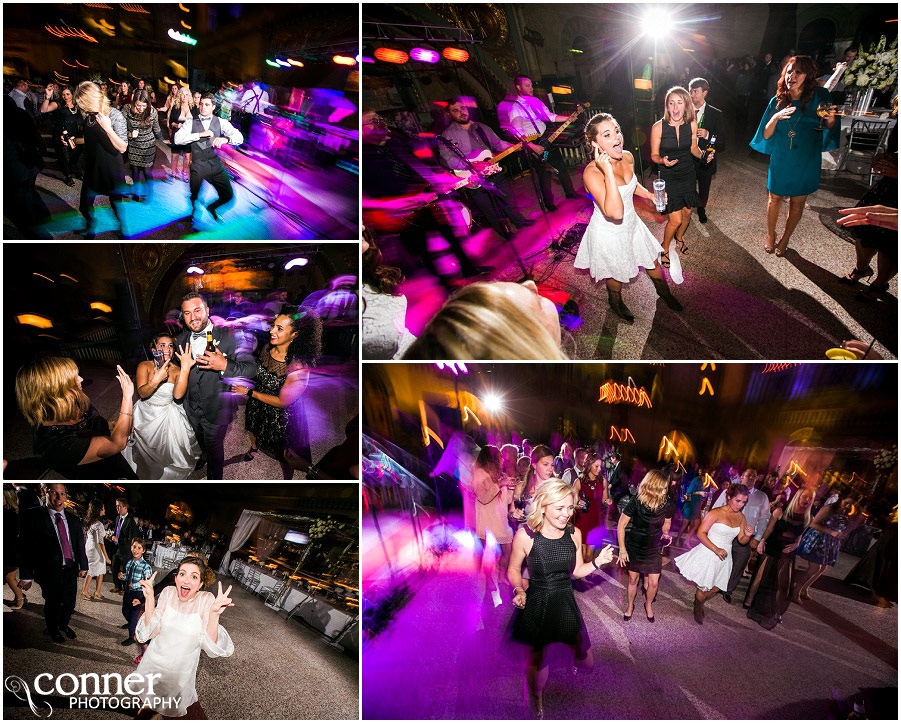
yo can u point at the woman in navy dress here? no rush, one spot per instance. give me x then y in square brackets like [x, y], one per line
[787, 134]
[820, 544]
[674, 141]
[548, 613]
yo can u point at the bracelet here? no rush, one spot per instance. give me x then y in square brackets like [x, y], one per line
[595, 563]
[520, 587]
[126, 414]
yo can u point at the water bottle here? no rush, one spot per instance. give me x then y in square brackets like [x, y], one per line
[660, 195]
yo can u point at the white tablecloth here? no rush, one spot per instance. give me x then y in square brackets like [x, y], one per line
[163, 556]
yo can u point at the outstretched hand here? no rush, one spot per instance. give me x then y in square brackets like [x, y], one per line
[605, 556]
[147, 589]
[222, 600]
[185, 356]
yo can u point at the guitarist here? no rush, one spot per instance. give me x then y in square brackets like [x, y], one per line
[469, 138]
[527, 115]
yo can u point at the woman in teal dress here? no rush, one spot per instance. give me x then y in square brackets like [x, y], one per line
[787, 135]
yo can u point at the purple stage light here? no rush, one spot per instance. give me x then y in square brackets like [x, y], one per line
[424, 56]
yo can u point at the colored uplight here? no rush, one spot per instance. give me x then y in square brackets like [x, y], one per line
[561, 89]
[389, 55]
[423, 55]
[194, 270]
[300, 261]
[274, 65]
[643, 84]
[295, 63]
[41, 322]
[100, 306]
[457, 54]
[182, 37]
[343, 60]
[364, 59]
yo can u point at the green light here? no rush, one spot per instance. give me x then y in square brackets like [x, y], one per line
[274, 65]
[574, 50]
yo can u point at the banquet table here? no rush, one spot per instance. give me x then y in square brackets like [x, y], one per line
[167, 556]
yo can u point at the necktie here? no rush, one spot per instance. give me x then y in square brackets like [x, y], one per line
[64, 538]
[118, 527]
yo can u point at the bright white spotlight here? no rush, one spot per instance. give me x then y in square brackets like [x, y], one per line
[656, 23]
[493, 402]
[296, 262]
[195, 270]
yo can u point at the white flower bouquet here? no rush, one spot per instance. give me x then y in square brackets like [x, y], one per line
[876, 68]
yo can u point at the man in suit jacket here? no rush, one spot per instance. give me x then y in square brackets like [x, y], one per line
[710, 123]
[51, 543]
[124, 530]
[206, 404]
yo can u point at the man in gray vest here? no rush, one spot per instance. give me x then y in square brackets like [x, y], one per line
[205, 135]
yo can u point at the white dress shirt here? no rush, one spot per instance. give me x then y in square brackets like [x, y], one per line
[198, 344]
[527, 115]
[699, 113]
[185, 134]
[255, 100]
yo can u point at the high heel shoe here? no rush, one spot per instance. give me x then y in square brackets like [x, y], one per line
[870, 294]
[627, 618]
[615, 299]
[681, 246]
[251, 453]
[780, 249]
[699, 612]
[770, 244]
[855, 276]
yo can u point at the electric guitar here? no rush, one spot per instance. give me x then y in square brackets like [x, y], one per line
[493, 168]
[563, 126]
[388, 221]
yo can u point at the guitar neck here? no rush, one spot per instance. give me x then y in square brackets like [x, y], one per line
[553, 136]
[504, 154]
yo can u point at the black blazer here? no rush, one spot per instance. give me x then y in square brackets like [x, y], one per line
[128, 532]
[205, 399]
[713, 122]
[40, 552]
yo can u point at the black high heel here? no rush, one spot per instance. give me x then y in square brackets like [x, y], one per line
[855, 276]
[251, 453]
[681, 246]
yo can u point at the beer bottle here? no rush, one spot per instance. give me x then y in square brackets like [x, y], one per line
[210, 346]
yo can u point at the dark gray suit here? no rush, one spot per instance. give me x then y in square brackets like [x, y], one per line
[713, 122]
[206, 403]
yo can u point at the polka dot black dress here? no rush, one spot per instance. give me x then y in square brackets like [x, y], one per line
[551, 614]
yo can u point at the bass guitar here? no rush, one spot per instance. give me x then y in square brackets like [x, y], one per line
[563, 126]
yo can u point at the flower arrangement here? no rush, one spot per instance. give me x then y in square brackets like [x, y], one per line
[875, 68]
[887, 458]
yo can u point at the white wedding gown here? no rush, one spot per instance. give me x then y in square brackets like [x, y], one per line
[163, 444]
[618, 249]
[177, 634]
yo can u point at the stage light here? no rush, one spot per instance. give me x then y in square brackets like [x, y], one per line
[168, 80]
[457, 54]
[185, 25]
[295, 63]
[643, 84]
[389, 55]
[181, 37]
[283, 63]
[455, 367]
[41, 322]
[561, 89]
[274, 65]
[183, 8]
[423, 55]
[656, 23]
[364, 59]
[343, 60]
[493, 402]
[35, 273]
[614, 393]
[296, 262]
[100, 306]
[576, 51]
[71, 278]
[194, 270]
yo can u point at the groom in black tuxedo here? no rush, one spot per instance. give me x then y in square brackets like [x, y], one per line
[205, 403]
[710, 123]
[51, 549]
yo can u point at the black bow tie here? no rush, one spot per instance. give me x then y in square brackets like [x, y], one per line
[196, 335]
[206, 117]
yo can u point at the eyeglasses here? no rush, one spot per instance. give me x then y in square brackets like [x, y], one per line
[377, 122]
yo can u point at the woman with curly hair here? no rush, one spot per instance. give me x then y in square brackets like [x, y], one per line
[295, 344]
[384, 321]
[143, 127]
[178, 626]
[787, 134]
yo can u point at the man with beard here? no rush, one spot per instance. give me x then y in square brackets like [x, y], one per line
[466, 139]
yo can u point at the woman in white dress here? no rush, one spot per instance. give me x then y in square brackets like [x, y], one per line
[709, 564]
[616, 244]
[183, 622]
[163, 444]
[94, 549]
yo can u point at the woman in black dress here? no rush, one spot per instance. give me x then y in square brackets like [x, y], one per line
[105, 140]
[143, 128]
[768, 595]
[295, 344]
[70, 436]
[181, 111]
[674, 140]
[68, 131]
[640, 546]
[549, 613]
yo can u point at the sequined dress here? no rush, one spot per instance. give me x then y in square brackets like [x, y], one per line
[265, 422]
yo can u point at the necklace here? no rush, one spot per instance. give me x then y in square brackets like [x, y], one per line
[791, 132]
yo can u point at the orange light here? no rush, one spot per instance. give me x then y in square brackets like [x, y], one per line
[41, 322]
[643, 84]
[561, 89]
[712, 366]
[100, 306]
[458, 54]
[35, 273]
[614, 393]
[346, 60]
[389, 55]
[185, 25]
[778, 367]
[705, 384]
[427, 431]
[466, 412]
[621, 434]
[293, 62]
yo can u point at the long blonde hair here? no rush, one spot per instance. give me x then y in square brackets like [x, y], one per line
[652, 490]
[47, 390]
[793, 503]
[683, 94]
[480, 321]
[90, 99]
[181, 102]
[548, 492]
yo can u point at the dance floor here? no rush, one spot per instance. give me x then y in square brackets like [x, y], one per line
[446, 655]
[270, 203]
[740, 302]
[280, 669]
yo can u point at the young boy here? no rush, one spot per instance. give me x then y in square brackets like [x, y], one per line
[136, 569]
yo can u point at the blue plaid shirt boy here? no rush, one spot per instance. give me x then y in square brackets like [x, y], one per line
[135, 571]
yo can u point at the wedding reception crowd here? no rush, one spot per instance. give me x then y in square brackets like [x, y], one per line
[454, 232]
[194, 154]
[601, 542]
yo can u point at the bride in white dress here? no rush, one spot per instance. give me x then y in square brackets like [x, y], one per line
[163, 444]
[183, 622]
[709, 564]
[616, 244]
